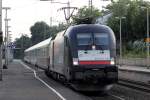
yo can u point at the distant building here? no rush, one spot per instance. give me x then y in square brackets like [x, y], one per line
[103, 19]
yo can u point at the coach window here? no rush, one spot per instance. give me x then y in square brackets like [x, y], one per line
[37, 52]
[41, 52]
[44, 50]
[33, 53]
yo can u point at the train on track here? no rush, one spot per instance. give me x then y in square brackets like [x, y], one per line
[82, 55]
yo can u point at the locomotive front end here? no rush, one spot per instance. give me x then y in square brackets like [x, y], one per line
[93, 51]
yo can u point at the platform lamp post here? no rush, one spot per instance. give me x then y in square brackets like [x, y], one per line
[148, 39]
[120, 20]
[147, 34]
[6, 34]
[6, 42]
[6, 21]
[9, 36]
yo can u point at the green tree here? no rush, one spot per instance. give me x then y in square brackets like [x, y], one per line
[86, 15]
[21, 43]
[134, 26]
[39, 31]
[55, 29]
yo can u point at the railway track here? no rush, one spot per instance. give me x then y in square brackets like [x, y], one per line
[108, 97]
[124, 90]
[129, 91]
[135, 85]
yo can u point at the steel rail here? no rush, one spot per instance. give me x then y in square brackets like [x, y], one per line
[145, 87]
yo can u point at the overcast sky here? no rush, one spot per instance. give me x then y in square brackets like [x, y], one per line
[24, 13]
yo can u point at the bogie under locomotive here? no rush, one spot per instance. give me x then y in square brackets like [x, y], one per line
[83, 55]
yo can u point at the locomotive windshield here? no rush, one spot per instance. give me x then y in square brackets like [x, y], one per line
[92, 38]
[84, 39]
[101, 39]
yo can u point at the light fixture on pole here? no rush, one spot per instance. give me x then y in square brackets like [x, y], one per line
[148, 42]
[6, 34]
[147, 33]
[6, 19]
[6, 42]
[120, 19]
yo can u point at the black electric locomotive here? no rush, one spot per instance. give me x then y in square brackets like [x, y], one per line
[84, 56]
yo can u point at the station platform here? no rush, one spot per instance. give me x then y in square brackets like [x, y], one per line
[19, 83]
[135, 73]
[135, 68]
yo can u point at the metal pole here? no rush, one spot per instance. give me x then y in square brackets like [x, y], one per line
[120, 41]
[51, 21]
[6, 48]
[7, 43]
[90, 5]
[6, 35]
[6, 40]
[51, 14]
[1, 66]
[22, 46]
[67, 16]
[148, 35]
[68, 21]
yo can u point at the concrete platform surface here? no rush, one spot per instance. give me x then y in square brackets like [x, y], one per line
[19, 83]
[135, 68]
[135, 73]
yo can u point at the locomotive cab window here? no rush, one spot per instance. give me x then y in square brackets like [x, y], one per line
[101, 39]
[84, 39]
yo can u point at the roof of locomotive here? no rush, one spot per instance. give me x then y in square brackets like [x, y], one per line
[88, 27]
[73, 30]
[39, 45]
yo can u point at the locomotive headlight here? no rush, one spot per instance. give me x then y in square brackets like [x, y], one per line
[112, 62]
[93, 47]
[75, 61]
